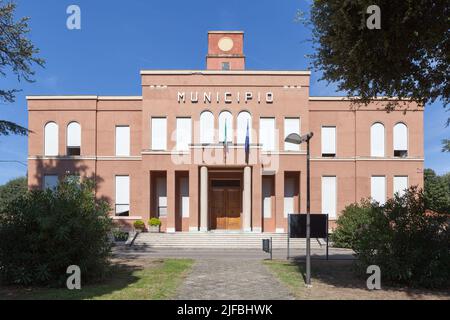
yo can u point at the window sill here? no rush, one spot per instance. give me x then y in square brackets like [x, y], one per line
[127, 217]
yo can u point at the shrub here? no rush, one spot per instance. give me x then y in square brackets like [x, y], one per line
[154, 222]
[120, 235]
[139, 225]
[11, 190]
[410, 246]
[44, 232]
[351, 219]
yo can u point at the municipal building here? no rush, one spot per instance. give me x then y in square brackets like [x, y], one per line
[205, 150]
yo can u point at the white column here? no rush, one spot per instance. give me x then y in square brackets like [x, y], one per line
[203, 198]
[247, 200]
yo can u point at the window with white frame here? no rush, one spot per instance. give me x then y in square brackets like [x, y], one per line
[225, 121]
[289, 195]
[400, 185]
[184, 197]
[243, 119]
[183, 134]
[122, 196]
[329, 196]
[267, 191]
[122, 141]
[206, 127]
[51, 139]
[50, 182]
[328, 141]
[267, 133]
[377, 140]
[161, 196]
[73, 139]
[291, 125]
[378, 189]
[159, 133]
[400, 140]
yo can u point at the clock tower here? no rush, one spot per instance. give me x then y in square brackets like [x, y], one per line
[225, 50]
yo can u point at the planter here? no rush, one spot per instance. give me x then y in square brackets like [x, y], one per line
[154, 229]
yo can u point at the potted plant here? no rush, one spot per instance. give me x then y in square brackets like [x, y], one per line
[155, 224]
[139, 225]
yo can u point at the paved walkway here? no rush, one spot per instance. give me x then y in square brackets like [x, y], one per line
[231, 279]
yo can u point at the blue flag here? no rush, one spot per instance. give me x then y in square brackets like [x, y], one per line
[247, 144]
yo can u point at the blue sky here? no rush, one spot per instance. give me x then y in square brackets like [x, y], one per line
[120, 38]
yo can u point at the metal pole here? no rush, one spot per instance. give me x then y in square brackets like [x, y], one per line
[308, 233]
[288, 234]
[270, 248]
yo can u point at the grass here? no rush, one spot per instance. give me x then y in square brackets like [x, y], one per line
[143, 280]
[335, 279]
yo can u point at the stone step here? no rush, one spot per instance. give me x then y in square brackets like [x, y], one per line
[220, 240]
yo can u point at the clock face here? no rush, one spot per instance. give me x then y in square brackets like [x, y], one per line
[225, 44]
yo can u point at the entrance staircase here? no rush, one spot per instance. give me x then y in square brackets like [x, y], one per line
[220, 240]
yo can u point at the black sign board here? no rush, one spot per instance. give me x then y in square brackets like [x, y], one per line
[318, 223]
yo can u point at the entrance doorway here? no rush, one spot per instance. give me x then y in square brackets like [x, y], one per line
[225, 204]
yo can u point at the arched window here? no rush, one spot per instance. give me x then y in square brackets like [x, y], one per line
[225, 117]
[377, 140]
[206, 127]
[73, 139]
[400, 140]
[51, 139]
[243, 119]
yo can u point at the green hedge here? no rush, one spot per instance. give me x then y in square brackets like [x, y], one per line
[43, 232]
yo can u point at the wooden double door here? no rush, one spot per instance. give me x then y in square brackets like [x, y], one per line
[225, 205]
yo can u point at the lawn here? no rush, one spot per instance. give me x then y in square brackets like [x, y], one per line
[148, 279]
[335, 280]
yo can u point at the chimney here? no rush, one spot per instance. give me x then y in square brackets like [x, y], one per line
[225, 50]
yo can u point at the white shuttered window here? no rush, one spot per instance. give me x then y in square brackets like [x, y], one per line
[267, 133]
[184, 197]
[378, 189]
[267, 197]
[329, 196]
[159, 133]
[184, 134]
[328, 140]
[122, 195]
[289, 193]
[243, 118]
[400, 184]
[51, 139]
[291, 125]
[377, 140]
[206, 127]
[122, 140]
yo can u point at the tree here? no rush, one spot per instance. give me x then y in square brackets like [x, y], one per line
[437, 191]
[17, 56]
[407, 58]
[12, 190]
[43, 232]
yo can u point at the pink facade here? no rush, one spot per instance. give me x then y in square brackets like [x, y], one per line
[144, 168]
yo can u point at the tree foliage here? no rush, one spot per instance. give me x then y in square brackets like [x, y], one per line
[407, 58]
[437, 191]
[17, 57]
[45, 231]
[12, 190]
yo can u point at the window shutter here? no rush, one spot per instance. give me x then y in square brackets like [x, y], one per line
[227, 117]
[159, 133]
[51, 139]
[267, 133]
[74, 134]
[289, 193]
[184, 196]
[161, 195]
[242, 119]
[378, 189]
[267, 197]
[206, 127]
[183, 134]
[400, 137]
[329, 196]
[291, 125]
[328, 140]
[122, 194]
[50, 181]
[122, 141]
[400, 184]
[377, 140]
